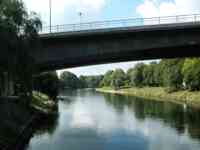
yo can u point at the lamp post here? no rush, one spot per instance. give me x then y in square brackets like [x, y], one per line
[50, 16]
[80, 15]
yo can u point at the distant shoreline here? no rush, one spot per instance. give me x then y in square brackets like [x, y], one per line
[159, 94]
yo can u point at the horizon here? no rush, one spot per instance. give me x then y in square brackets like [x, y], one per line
[125, 66]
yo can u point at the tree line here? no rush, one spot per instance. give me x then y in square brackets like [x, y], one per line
[173, 74]
[69, 80]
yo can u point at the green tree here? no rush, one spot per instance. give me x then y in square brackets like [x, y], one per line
[18, 35]
[191, 73]
[158, 74]
[69, 80]
[172, 76]
[136, 75]
[149, 75]
[107, 79]
[118, 78]
[129, 75]
[83, 82]
[91, 81]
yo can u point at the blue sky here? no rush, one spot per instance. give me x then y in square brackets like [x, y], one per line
[120, 9]
[66, 12]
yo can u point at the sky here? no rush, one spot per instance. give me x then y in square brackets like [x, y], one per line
[66, 12]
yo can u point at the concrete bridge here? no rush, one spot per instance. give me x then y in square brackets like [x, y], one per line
[117, 41]
[92, 43]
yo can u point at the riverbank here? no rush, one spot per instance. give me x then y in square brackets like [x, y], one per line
[42, 108]
[18, 120]
[158, 93]
[43, 103]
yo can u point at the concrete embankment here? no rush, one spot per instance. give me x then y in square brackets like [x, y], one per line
[158, 93]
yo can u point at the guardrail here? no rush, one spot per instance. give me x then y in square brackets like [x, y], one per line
[121, 23]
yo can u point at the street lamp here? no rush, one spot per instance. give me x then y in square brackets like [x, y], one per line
[80, 15]
[50, 15]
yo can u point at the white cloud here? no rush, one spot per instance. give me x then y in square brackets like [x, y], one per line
[66, 11]
[153, 8]
[188, 6]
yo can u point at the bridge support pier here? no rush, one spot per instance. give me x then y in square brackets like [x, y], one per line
[7, 85]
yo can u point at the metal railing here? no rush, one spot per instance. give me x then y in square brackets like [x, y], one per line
[121, 23]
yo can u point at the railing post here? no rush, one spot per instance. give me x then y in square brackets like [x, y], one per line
[74, 27]
[176, 19]
[80, 27]
[158, 20]
[195, 18]
[124, 23]
[57, 28]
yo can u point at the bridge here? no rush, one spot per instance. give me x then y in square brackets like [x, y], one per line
[73, 45]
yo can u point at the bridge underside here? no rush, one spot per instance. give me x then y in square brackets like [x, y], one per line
[187, 51]
[65, 50]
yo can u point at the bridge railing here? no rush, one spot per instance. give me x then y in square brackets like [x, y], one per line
[121, 23]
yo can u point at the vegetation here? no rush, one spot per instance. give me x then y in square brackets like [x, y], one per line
[171, 74]
[90, 81]
[175, 80]
[18, 34]
[172, 77]
[71, 81]
[137, 75]
[118, 78]
[47, 83]
[106, 79]
[158, 93]
[43, 103]
[191, 74]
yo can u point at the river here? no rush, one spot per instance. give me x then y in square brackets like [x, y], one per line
[89, 120]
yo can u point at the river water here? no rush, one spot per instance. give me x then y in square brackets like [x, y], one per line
[88, 120]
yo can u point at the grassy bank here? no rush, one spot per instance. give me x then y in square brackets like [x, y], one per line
[158, 93]
[43, 103]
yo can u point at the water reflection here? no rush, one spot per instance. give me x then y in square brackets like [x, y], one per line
[89, 120]
[48, 125]
[182, 118]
